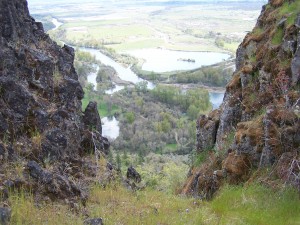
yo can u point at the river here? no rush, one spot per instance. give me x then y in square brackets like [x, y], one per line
[167, 61]
[164, 60]
[56, 23]
[111, 127]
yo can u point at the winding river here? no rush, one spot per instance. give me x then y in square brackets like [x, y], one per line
[110, 125]
[167, 61]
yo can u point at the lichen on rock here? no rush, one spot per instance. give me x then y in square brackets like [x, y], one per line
[260, 106]
[42, 126]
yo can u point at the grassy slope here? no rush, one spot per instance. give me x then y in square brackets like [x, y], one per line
[234, 205]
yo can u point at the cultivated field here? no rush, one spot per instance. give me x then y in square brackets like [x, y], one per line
[189, 26]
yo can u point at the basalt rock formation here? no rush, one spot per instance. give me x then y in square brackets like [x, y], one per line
[44, 135]
[258, 124]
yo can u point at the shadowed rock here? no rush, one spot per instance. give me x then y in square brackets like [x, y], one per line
[97, 221]
[5, 214]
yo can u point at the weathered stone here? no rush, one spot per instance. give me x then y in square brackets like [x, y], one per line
[5, 214]
[97, 221]
[240, 57]
[133, 174]
[297, 23]
[54, 184]
[3, 124]
[295, 67]
[207, 127]
[230, 116]
[91, 118]
[41, 112]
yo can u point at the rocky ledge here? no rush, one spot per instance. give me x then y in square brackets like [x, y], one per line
[258, 124]
[45, 138]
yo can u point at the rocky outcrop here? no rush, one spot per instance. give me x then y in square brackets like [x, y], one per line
[97, 221]
[41, 121]
[206, 136]
[5, 214]
[258, 123]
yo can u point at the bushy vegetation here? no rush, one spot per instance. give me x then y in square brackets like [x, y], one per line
[192, 101]
[217, 76]
[161, 120]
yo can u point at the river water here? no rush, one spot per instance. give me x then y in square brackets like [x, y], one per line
[56, 23]
[163, 60]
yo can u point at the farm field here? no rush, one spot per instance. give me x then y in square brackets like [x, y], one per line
[124, 26]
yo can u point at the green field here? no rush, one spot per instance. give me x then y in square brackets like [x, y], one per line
[198, 27]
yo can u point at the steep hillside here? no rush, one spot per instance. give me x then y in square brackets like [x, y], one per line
[258, 124]
[44, 135]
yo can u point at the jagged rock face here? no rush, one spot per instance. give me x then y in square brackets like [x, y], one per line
[206, 136]
[259, 118]
[40, 96]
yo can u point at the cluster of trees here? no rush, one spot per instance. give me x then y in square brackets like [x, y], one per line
[192, 101]
[161, 120]
[217, 76]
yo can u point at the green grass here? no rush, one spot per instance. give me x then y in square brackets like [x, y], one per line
[120, 206]
[232, 47]
[278, 36]
[254, 204]
[201, 157]
[257, 205]
[26, 212]
[292, 9]
[172, 146]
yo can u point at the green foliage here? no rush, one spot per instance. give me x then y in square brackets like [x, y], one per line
[141, 86]
[130, 117]
[278, 36]
[290, 9]
[200, 158]
[197, 99]
[166, 173]
[216, 75]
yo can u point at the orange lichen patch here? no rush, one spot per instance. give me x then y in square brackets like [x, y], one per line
[276, 2]
[207, 121]
[237, 167]
[235, 82]
[294, 96]
[247, 69]
[201, 178]
[257, 35]
[251, 129]
[214, 115]
[271, 16]
[187, 188]
[261, 52]
[282, 116]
